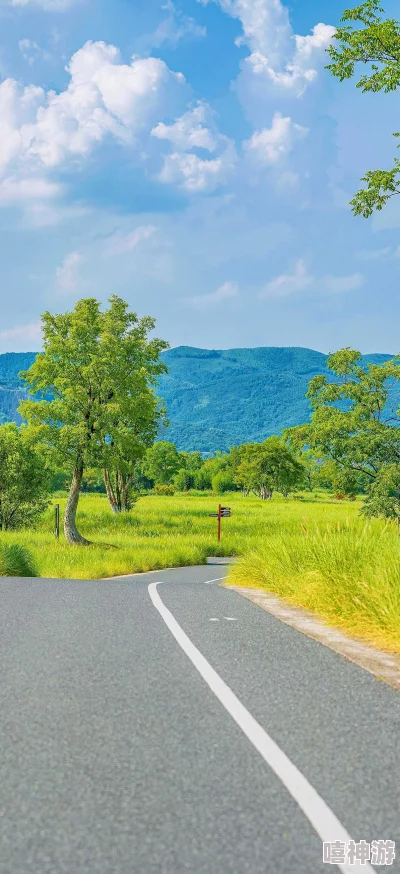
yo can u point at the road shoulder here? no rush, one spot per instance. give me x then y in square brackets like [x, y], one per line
[384, 666]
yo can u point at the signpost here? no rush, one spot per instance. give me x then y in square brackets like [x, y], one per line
[57, 520]
[223, 513]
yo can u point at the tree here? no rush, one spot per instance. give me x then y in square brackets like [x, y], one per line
[184, 480]
[224, 482]
[24, 479]
[95, 381]
[162, 462]
[355, 421]
[376, 45]
[269, 467]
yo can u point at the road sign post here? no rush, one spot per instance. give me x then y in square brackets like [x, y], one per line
[223, 513]
[57, 520]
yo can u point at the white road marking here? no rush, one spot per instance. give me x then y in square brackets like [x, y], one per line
[207, 582]
[230, 619]
[323, 820]
[214, 620]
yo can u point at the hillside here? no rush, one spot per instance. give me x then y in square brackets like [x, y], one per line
[215, 399]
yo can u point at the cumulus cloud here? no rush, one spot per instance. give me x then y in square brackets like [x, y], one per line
[288, 284]
[196, 131]
[278, 57]
[104, 97]
[67, 276]
[270, 145]
[225, 292]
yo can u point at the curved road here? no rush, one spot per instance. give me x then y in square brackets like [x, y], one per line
[161, 724]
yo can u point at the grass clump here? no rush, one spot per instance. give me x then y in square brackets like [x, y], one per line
[16, 561]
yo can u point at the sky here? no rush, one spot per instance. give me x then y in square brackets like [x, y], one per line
[195, 158]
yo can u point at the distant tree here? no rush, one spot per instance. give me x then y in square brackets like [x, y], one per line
[269, 467]
[95, 379]
[162, 462]
[202, 478]
[191, 460]
[183, 480]
[384, 494]
[356, 424]
[376, 46]
[224, 482]
[24, 479]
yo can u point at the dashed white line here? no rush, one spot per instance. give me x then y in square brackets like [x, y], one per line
[214, 620]
[323, 820]
[230, 619]
[207, 582]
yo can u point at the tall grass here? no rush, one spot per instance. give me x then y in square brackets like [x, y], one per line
[16, 561]
[347, 572]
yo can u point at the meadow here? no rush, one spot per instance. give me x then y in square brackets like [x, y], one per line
[314, 551]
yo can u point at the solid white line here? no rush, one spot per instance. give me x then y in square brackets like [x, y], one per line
[313, 806]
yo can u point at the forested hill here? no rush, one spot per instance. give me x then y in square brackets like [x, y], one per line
[215, 399]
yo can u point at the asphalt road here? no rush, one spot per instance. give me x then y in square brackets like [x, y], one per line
[172, 728]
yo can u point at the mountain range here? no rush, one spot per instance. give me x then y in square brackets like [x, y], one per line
[215, 398]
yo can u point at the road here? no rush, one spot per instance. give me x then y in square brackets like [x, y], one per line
[162, 724]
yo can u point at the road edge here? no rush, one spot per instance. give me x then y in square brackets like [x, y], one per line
[382, 665]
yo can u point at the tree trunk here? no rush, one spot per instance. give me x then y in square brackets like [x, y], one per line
[70, 530]
[110, 491]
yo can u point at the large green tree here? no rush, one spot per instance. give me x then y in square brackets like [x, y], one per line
[268, 467]
[24, 479]
[375, 46]
[355, 422]
[94, 379]
[162, 462]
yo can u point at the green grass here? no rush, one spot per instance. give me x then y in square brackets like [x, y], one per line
[313, 551]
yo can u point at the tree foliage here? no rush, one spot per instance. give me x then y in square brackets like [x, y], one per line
[268, 467]
[24, 479]
[375, 46]
[95, 378]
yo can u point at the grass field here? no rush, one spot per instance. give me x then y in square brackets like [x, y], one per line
[312, 550]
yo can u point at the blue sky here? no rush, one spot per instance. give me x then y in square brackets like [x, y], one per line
[196, 159]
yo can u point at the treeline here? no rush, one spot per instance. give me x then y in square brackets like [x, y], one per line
[95, 414]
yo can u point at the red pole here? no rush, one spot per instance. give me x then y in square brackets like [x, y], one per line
[219, 523]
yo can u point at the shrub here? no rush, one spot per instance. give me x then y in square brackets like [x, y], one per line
[160, 489]
[16, 561]
[184, 480]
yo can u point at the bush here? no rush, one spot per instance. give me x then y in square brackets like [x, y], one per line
[160, 490]
[17, 561]
[202, 479]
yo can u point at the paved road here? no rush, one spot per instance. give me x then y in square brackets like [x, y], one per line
[138, 725]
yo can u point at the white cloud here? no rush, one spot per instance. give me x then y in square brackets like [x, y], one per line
[279, 57]
[103, 97]
[225, 292]
[270, 145]
[67, 276]
[47, 5]
[31, 51]
[173, 29]
[339, 284]
[14, 190]
[196, 129]
[374, 254]
[191, 130]
[289, 284]
[121, 244]
[21, 337]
